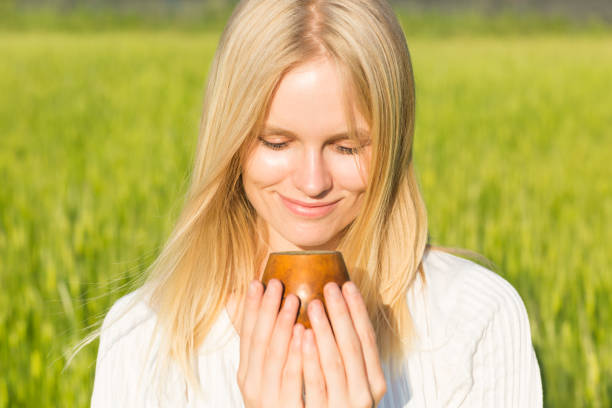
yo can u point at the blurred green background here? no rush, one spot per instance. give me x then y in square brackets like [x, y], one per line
[99, 109]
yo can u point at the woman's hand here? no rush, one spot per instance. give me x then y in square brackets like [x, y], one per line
[345, 371]
[270, 369]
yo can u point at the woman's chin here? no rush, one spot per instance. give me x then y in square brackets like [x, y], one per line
[317, 242]
[300, 237]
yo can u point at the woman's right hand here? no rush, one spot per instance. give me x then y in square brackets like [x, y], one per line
[270, 369]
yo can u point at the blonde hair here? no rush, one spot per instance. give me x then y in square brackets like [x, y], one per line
[216, 246]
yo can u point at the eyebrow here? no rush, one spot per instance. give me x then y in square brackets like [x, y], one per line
[273, 130]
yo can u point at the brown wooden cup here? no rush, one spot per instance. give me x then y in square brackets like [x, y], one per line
[305, 273]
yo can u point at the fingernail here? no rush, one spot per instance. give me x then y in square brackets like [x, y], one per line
[333, 291]
[252, 287]
[316, 309]
[351, 288]
[274, 284]
[289, 301]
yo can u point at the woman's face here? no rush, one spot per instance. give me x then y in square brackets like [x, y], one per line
[305, 179]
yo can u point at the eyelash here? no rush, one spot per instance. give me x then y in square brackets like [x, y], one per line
[273, 146]
[280, 146]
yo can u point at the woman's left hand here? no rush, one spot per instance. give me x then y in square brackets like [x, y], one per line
[344, 371]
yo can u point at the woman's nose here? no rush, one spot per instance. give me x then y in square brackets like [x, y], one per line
[311, 175]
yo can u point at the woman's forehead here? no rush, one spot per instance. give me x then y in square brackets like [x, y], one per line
[310, 99]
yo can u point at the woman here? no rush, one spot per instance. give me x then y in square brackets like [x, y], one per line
[306, 143]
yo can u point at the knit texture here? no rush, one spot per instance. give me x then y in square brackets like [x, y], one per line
[473, 349]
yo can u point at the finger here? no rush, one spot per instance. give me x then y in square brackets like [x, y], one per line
[262, 331]
[314, 382]
[367, 337]
[350, 350]
[277, 350]
[292, 373]
[331, 362]
[249, 315]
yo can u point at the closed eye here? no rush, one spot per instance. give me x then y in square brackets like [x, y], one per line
[353, 149]
[339, 148]
[348, 150]
[273, 146]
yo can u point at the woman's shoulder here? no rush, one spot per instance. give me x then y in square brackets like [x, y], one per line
[127, 368]
[129, 321]
[474, 333]
[467, 296]
[123, 365]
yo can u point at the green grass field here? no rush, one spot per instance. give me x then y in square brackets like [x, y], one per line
[97, 134]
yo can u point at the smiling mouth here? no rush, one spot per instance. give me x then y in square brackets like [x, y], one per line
[309, 210]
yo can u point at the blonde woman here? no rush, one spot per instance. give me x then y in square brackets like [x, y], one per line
[306, 143]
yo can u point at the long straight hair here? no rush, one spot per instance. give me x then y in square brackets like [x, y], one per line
[217, 245]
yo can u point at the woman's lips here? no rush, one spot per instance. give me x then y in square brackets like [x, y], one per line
[308, 210]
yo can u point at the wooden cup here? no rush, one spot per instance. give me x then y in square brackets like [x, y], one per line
[304, 273]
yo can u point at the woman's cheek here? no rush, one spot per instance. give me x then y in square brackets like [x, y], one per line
[266, 166]
[348, 174]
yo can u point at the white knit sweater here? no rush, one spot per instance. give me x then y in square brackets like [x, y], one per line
[474, 350]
